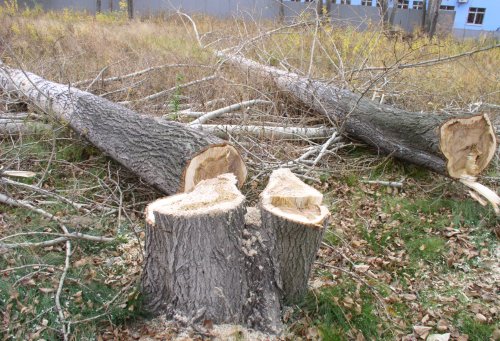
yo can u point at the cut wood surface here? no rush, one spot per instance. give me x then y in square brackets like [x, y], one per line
[443, 143]
[168, 155]
[207, 260]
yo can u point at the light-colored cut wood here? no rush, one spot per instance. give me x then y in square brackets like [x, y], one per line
[214, 161]
[468, 144]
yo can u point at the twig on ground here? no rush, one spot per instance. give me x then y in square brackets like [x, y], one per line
[105, 305]
[66, 236]
[166, 92]
[140, 73]
[216, 113]
[96, 77]
[325, 146]
[70, 235]
[126, 88]
[66, 327]
[37, 189]
[27, 266]
[373, 289]
[394, 184]
[430, 61]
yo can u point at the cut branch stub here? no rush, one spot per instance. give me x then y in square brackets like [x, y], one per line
[292, 210]
[468, 144]
[193, 256]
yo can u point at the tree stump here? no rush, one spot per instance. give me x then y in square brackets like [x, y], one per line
[292, 211]
[207, 260]
[193, 253]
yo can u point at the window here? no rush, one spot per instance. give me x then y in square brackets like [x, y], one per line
[403, 3]
[345, 2]
[366, 2]
[447, 8]
[476, 16]
[418, 5]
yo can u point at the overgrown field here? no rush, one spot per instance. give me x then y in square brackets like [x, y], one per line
[394, 260]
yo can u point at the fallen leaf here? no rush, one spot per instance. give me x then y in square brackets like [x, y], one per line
[421, 331]
[438, 337]
[442, 325]
[361, 267]
[46, 290]
[409, 297]
[481, 318]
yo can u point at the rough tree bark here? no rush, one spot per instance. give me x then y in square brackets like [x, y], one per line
[293, 211]
[193, 253]
[422, 138]
[170, 156]
[206, 260]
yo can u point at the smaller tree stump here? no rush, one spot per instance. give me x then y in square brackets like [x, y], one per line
[293, 211]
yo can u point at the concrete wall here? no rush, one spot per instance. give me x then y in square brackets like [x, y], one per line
[358, 16]
[257, 9]
[463, 34]
[77, 5]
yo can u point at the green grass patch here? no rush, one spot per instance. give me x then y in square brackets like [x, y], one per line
[477, 331]
[335, 320]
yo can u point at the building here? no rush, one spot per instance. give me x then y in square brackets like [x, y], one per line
[473, 18]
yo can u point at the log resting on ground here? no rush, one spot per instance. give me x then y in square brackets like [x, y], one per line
[455, 147]
[168, 155]
[206, 260]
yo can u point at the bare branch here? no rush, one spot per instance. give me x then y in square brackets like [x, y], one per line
[216, 113]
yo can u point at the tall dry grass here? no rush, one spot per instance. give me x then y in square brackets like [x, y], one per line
[70, 46]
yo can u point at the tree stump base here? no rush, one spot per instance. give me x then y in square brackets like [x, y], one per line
[209, 258]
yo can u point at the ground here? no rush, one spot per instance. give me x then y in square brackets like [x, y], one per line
[396, 263]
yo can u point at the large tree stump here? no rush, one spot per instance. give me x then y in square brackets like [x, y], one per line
[193, 253]
[168, 155]
[207, 260]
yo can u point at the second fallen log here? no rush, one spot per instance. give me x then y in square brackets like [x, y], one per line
[458, 147]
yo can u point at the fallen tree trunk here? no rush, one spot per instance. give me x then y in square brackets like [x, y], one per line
[168, 155]
[206, 261]
[455, 147]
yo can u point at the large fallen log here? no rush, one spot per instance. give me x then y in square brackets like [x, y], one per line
[206, 261]
[168, 155]
[458, 147]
